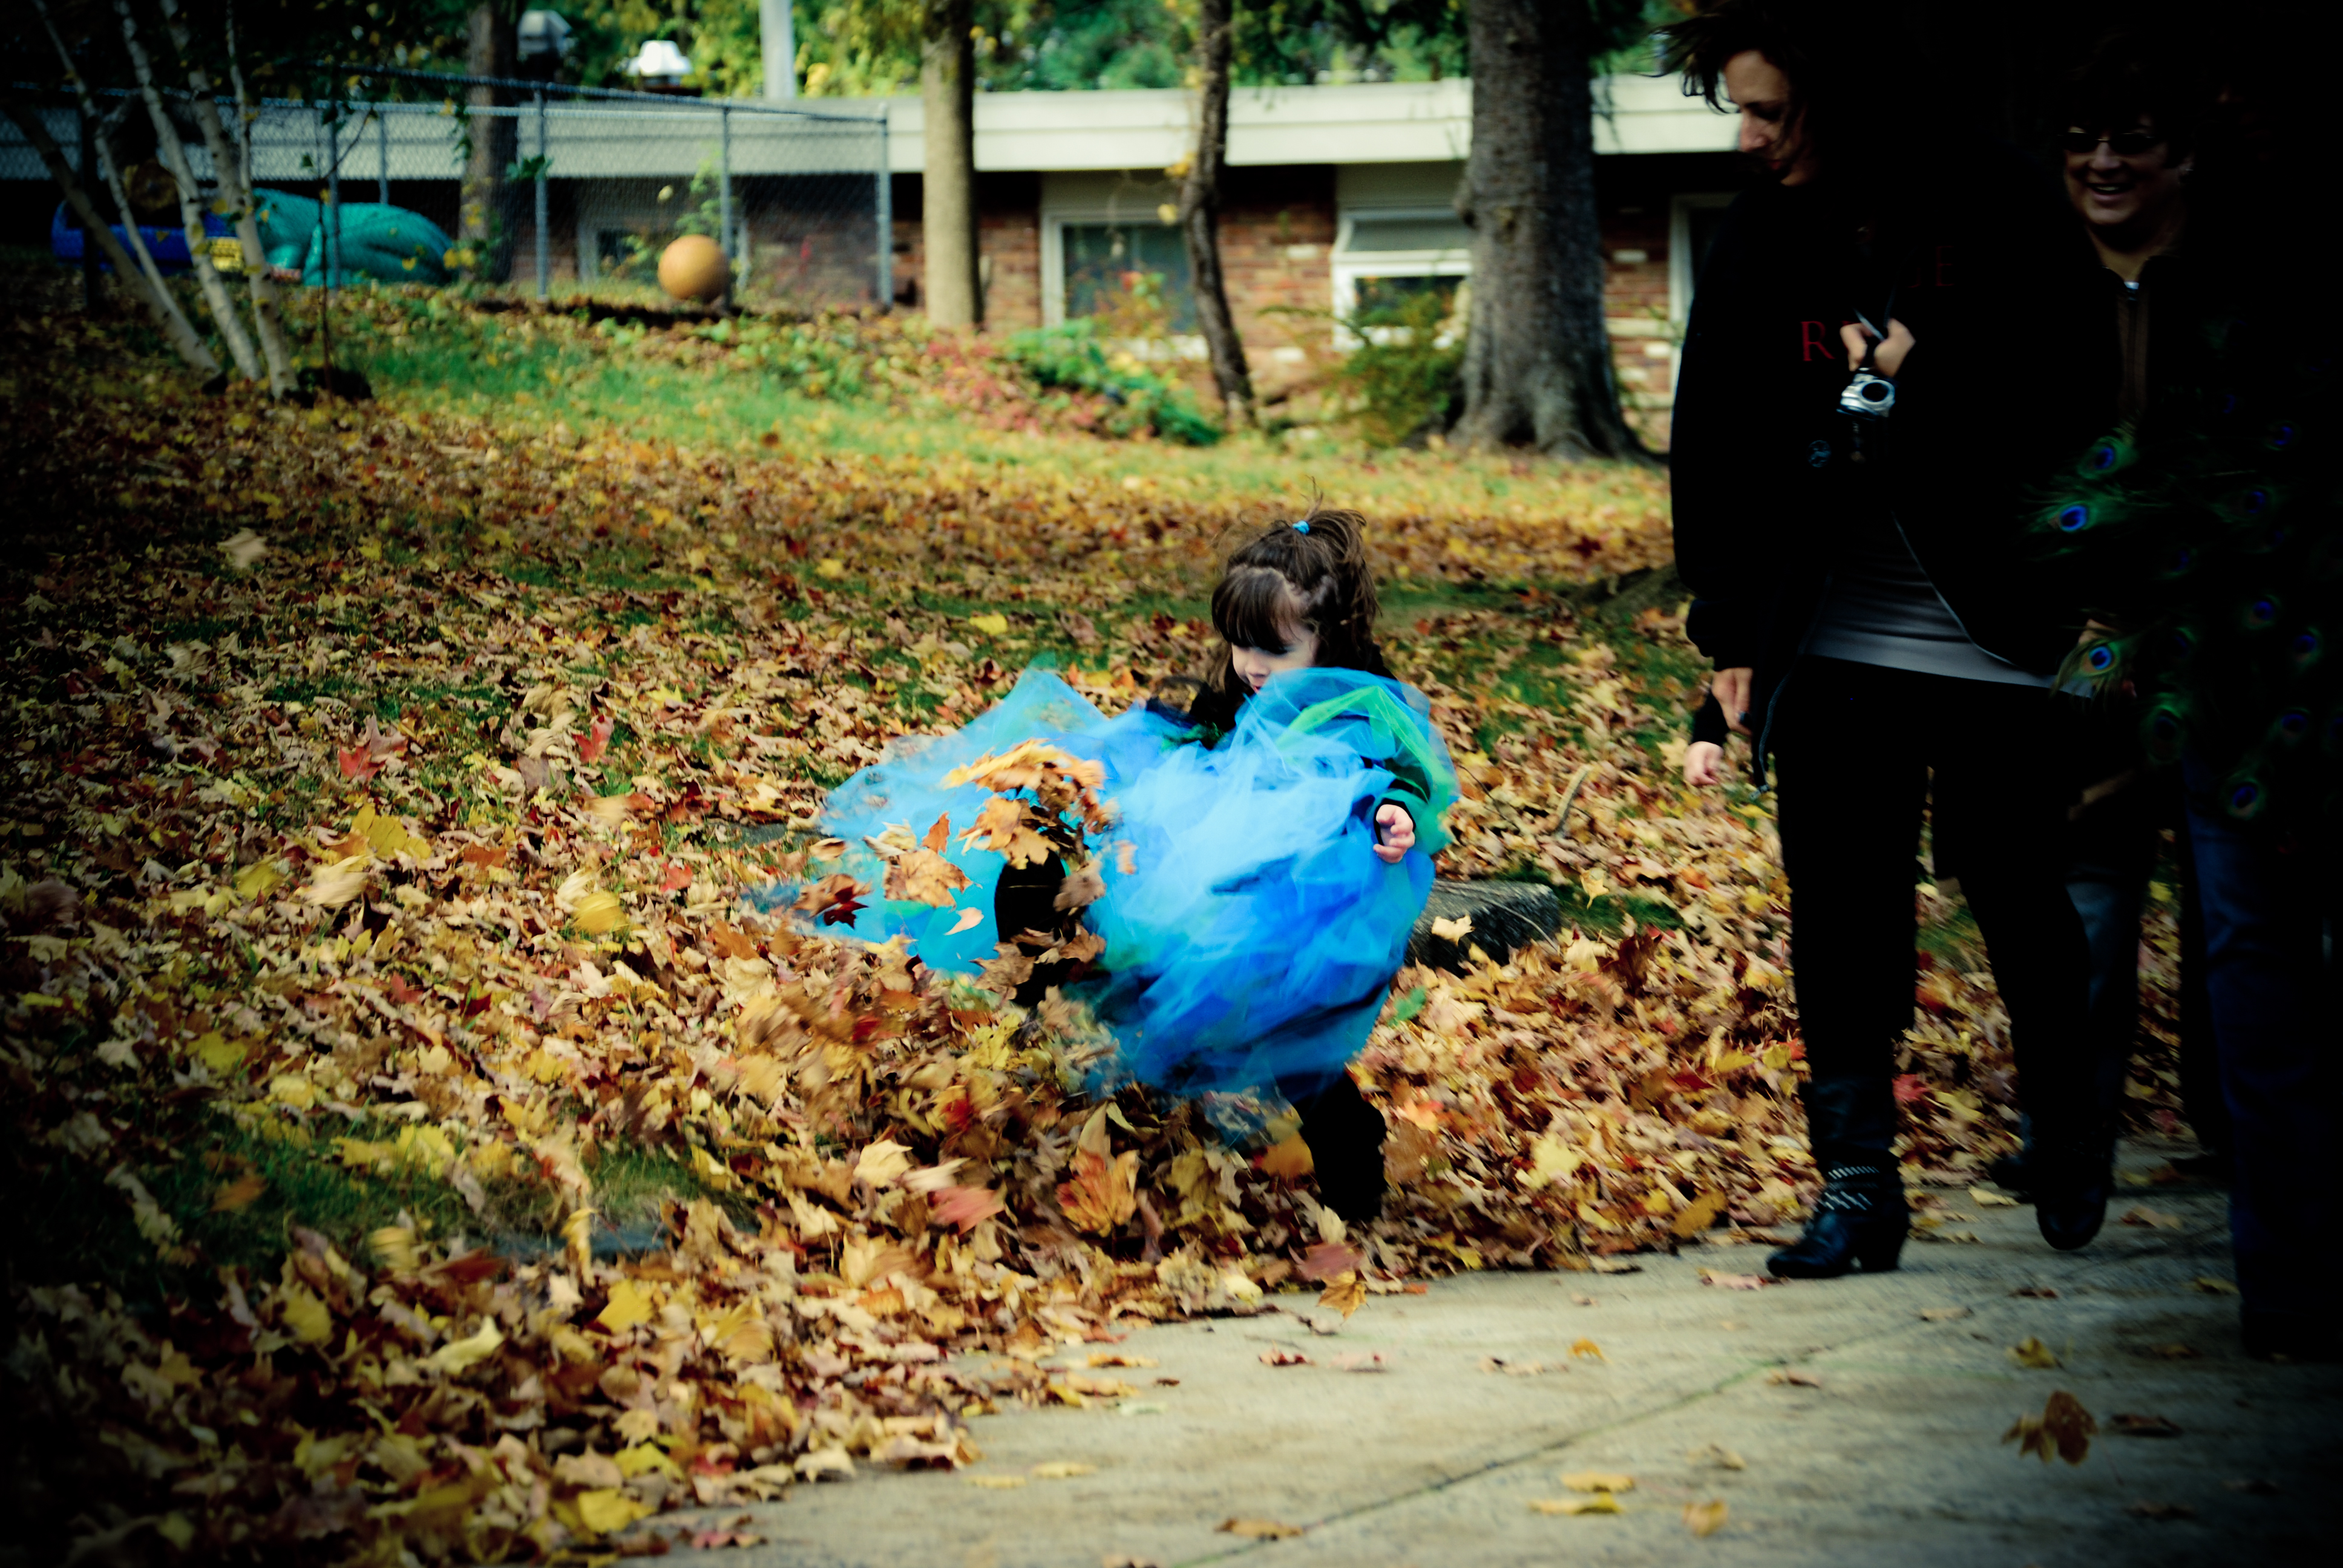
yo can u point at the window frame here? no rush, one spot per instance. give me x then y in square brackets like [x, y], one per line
[1348, 267]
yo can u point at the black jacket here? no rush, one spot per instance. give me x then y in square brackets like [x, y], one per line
[1766, 481]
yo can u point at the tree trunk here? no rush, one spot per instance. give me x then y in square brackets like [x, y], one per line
[955, 297]
[485, 232]
[228, 163]
[96, 232]
[1537, 362]
[173, 154]
[1199, 217]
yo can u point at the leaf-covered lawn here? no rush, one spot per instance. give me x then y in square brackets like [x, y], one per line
[419, 1140]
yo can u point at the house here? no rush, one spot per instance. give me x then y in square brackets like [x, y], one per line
[1336, 197]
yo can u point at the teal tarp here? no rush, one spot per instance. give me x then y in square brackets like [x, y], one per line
[389, 244]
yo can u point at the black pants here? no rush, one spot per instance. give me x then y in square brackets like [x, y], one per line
[1858, 749]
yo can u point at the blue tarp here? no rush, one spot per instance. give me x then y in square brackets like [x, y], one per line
[389, 244]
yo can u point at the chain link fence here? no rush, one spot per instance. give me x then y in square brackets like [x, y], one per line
[553, 190]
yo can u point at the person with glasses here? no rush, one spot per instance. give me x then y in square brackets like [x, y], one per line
[2204, 520]
[1862, 580]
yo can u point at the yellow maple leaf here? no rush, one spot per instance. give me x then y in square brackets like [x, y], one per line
[458, 1355]
[627, 1306]
[607, 1509]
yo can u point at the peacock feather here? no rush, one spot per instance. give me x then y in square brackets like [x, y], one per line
[2206, 533]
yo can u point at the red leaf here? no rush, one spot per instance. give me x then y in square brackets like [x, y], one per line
[1911, 1089]
[597, 739]
[358, 762]
[965, 1207]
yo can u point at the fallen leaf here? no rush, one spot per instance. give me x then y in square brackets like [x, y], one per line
[2130, 1425]
[1453, 931]
[1705, 1518]
[1587, 1350]
[2064, 1428]
[460, 1355]
[1601, 1502]
[1943, 1314]
[2031, 1353]
[1258, 1528]
[1724, 1281]
[1793, 1378]
[1717, 1455]
[1345, 1295]
[1279, 1356]
[1287, 1160]
[1363, 1361]
[2147, 1509]
[1063, 1468]
[1576, 1299]
[1597, 1481]
[240, 1193]
[2039, 1292]
[1121, 1359]
[1697, 1216]
[2174, 1351]
[2154, 1219]
[2213, 1286]
[996, 1482]
[1985, 1198]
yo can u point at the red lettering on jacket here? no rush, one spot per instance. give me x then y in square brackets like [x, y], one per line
[1811, 343]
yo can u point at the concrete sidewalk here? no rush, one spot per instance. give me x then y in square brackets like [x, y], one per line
[1868, 1434]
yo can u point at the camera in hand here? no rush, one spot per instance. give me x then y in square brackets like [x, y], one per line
[1868, 395]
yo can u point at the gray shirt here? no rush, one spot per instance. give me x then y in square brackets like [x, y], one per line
[1880, 608]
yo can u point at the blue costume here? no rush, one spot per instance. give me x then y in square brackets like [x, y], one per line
[1250, 930]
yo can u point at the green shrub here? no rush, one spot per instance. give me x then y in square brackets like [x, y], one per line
[1071, 358]
[1400, 377]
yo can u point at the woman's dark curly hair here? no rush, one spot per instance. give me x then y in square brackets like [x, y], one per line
[1848, 64]
[1310, 574]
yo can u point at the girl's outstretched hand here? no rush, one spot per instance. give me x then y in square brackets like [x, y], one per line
[1703, 763]
[1394, 833]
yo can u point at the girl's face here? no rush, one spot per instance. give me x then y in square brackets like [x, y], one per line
[1256, 664]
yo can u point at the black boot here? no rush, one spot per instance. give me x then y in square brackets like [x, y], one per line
[1861, 1216]
[1345, 1135]
[2071, 1181]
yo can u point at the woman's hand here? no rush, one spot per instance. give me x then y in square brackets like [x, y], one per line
[1731, 690]
[1703, 764]
[1892, 347]
[1394, 833]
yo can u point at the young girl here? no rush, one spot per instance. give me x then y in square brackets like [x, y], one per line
[1269, 852]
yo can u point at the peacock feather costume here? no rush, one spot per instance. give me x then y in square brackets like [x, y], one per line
[2203, 535]
[1249, 932]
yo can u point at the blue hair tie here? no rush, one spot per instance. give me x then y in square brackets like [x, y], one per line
[1303, 526]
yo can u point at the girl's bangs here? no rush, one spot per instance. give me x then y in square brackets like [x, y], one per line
[1255, 607]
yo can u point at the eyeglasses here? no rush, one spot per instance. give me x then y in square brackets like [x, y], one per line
[2123, 143]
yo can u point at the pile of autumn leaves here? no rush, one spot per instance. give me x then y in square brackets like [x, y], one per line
[486, 968]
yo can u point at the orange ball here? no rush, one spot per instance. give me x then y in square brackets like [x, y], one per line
[693, 268]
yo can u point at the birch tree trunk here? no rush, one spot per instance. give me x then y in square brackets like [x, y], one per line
[1199, 217]
[168, 147]
[954, 295]
[176, 327]
[169, 319]
[269, 323]
[1537, 362]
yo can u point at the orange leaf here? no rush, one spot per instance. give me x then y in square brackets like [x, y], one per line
[1289, 1159]
[239, 1193]
[938, 835]
[1101, 1195]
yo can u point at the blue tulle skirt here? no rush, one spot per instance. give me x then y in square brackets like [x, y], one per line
[1250, 929]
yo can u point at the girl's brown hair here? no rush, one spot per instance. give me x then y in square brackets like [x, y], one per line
[1310, 574]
